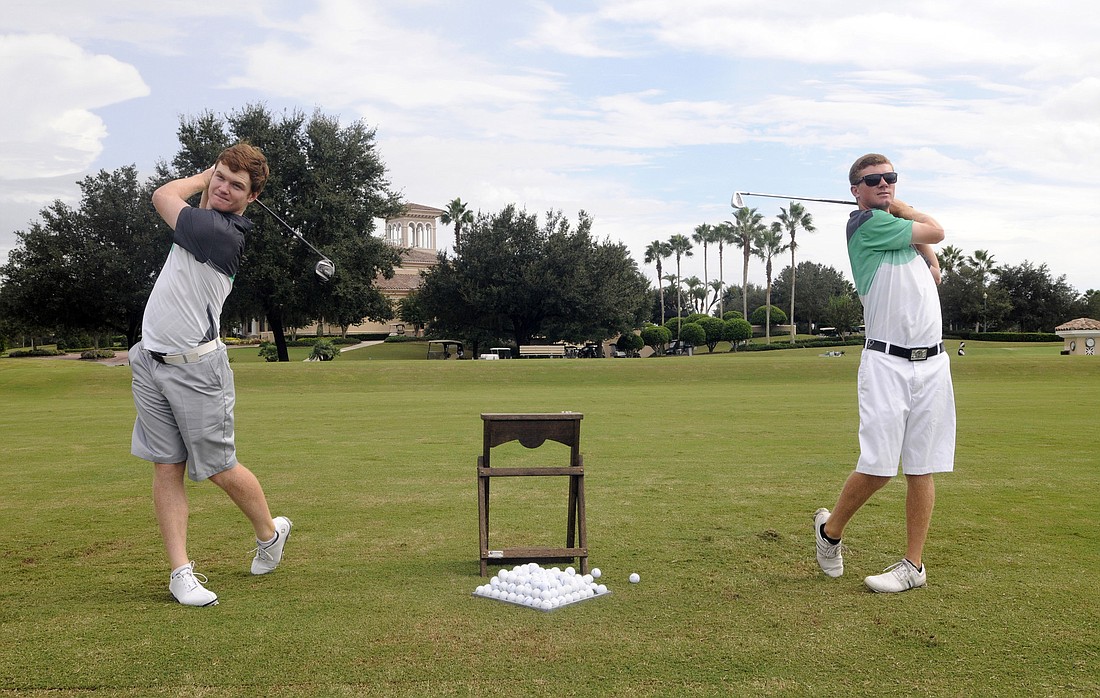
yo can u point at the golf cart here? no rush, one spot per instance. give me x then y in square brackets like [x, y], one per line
[444, 349]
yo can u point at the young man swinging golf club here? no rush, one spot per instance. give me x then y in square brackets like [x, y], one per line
[182, 384]
[906, 400]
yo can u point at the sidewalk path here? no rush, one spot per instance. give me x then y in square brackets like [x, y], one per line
[360, 345]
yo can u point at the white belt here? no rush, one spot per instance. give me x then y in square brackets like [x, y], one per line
[187, 357]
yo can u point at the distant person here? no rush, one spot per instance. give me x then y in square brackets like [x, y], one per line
[962, 349]
[906, 400]
[182, 384]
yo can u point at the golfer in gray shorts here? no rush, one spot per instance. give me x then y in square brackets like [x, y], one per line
[182, 383]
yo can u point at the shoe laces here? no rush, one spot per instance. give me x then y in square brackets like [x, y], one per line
[831, 549]
[902, 570]
[260, 551]
[191, 578]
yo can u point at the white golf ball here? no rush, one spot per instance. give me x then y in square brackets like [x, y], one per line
[634, 578]
[596, 573]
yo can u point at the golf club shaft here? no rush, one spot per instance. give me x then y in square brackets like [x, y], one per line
[292, 230]
[738, 203]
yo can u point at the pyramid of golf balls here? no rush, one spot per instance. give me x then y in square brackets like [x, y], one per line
[532, 586]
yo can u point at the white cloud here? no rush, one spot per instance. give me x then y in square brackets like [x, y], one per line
[577, 35]
[47, 127]
[164, 27]
[346, 53]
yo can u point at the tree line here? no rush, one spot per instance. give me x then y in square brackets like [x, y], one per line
[89, 268]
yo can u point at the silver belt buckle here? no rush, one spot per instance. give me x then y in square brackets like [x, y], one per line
[918, 354]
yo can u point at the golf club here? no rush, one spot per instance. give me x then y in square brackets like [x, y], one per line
[739, 202]
[325, 268]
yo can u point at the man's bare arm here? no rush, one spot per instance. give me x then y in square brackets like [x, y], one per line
[926, 232]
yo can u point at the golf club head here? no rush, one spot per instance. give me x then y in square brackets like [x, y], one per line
[325, 269]
[738, 202]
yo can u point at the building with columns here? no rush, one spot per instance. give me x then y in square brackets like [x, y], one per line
[415, 228]
[414, 232]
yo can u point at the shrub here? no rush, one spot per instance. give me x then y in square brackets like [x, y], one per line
[269, 351]
[35, 352]
[1006, 336]
[323, 350]
[656, 337]
[671, 322]
[733, 315]
[737, 330]
[236, 341]
[760, 316]
[629, 343]
[715, 330]
[693, 333]
[97, 354]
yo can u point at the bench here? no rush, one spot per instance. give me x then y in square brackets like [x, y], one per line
[545, 350]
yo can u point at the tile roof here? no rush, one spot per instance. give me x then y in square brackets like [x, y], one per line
[399, 282]
[1081, 323]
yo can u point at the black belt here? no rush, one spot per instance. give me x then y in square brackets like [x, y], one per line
[907, 353]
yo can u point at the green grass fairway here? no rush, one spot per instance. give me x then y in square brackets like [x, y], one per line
[702, 474]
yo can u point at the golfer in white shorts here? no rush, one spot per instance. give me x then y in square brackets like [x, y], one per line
[182, 383]
[906, 400]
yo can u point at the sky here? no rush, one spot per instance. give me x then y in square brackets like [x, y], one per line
[647, 114]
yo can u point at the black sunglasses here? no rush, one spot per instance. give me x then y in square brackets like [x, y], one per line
[872, 180]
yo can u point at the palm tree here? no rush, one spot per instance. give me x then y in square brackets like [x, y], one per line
[745, 232]
[982, 262]
[457, 213]
[704, 235]
[695, 285]
[671, 279]
[791, 220]
[681, 247]
[718, 285]
[768, 245]
[951, 258]
[654, 254]
[723, 235]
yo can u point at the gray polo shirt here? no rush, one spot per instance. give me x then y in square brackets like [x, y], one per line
[184, 310]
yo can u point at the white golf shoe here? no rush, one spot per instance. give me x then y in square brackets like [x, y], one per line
[187, 587]
[269, 555]
[901, 576]
[830, 556]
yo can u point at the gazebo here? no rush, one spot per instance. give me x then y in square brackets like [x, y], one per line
[1081, 336]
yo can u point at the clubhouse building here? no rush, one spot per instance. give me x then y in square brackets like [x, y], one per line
[415, 233]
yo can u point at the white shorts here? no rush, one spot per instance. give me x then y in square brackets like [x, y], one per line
[906, 414]
[184, 412]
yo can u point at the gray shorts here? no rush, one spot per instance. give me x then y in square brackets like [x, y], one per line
[184, 412]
